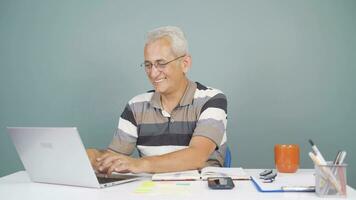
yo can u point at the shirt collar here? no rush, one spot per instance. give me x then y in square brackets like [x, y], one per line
[187, 98]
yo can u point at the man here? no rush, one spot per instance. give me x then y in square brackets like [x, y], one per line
[181, 125]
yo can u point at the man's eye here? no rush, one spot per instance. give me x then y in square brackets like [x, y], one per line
[148, 64]
[161, 62]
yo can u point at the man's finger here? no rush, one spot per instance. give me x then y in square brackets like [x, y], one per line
[104, 156]
[116, 166]
[108, 162]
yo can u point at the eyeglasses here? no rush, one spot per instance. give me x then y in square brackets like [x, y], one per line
[159, 64]
[268, 176]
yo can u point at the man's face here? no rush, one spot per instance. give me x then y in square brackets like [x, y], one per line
[168, 80]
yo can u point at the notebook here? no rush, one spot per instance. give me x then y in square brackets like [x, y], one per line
[58, 156]
[190, 175]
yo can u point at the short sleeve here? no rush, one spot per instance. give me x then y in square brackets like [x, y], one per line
[125, 137]
[213, 119]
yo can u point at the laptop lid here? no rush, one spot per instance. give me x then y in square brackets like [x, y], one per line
[56, 155]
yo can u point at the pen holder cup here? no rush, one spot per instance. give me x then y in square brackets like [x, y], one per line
[330, 180]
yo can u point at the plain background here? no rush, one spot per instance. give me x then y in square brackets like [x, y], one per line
[287, 68]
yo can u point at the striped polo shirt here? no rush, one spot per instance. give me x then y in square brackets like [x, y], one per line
[144, 124]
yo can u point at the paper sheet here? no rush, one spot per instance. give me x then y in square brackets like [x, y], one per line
[297, 179]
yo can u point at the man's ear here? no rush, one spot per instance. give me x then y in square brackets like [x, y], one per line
[187, 63]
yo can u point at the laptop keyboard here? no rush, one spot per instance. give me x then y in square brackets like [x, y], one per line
[103, 180]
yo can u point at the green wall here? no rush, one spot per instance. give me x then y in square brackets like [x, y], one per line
[287, 68]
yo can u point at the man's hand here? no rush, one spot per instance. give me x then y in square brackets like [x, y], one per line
[93, 154]
[112, 162]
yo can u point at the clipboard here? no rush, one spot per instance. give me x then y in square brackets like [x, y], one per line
[301, 181]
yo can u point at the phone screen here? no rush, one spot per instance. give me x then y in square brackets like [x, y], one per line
[220, 183]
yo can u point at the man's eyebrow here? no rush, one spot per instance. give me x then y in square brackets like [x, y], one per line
[162, 59]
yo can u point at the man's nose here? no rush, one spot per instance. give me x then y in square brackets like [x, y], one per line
[154, 72]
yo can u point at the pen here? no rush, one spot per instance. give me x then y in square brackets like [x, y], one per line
[298, 188]
[337, 158]
[317, 153]
[342, 158]
[342, 173]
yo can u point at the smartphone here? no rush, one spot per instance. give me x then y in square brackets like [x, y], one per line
[220, 183]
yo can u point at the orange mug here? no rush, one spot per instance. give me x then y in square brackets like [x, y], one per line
[286, 157]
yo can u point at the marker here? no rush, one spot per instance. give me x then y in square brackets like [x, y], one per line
[317, 153]
[314, 158]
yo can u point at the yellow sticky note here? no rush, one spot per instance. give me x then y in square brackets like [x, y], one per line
[145, 187]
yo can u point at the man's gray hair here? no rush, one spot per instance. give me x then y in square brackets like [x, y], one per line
[176, 36]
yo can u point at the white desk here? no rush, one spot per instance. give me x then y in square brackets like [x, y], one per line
[19, 186]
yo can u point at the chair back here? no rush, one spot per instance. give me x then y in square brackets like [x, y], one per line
[227, 161]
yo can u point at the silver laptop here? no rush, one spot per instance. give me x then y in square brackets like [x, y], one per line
[58, 156]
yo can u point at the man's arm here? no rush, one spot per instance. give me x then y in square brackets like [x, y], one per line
[193, 157]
